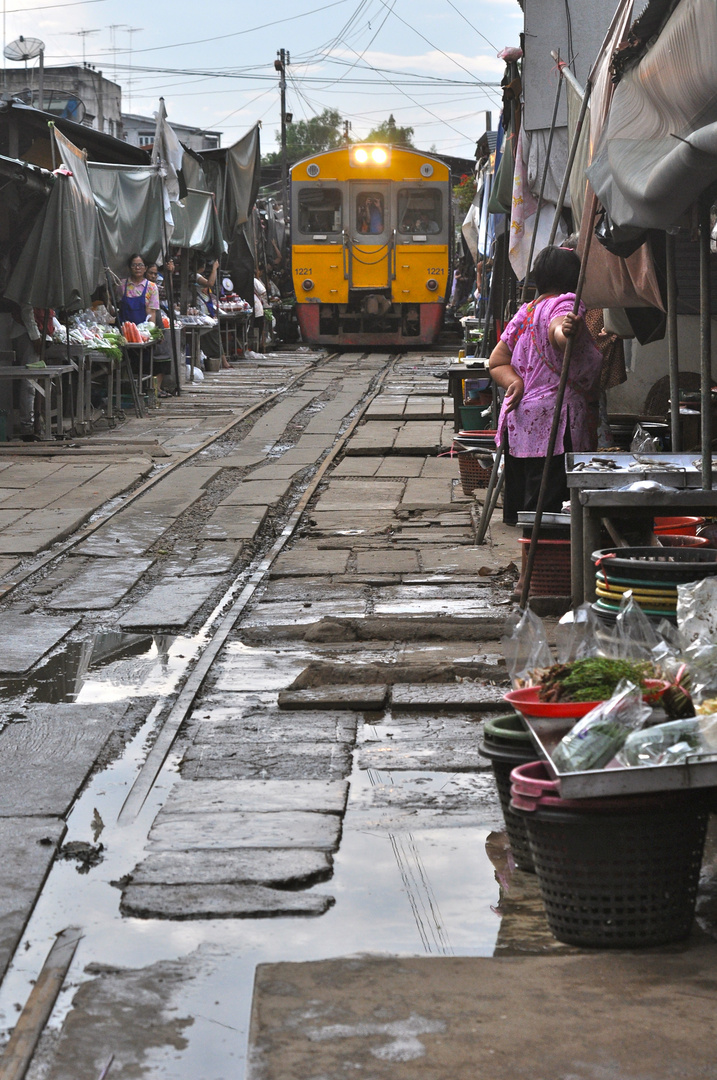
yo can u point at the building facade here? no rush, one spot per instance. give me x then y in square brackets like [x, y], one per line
[76, 92]
[139, 131]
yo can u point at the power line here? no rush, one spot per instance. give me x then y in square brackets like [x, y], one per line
[363, 53]
[240, 33]
[425, 108]
[414, 79]
[478, 32]
[428, 42]
[46, 7]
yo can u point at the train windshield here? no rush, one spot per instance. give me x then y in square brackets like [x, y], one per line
[419, 210]
[320, 210]
[370, 212]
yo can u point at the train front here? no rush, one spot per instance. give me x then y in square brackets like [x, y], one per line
[370, 236]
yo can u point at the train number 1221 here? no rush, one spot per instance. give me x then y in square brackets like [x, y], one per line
[302, 271]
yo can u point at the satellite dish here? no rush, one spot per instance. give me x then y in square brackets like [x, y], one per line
[24, 49]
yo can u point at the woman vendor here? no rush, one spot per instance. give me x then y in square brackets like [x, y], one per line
[526, 363]
[140, 297]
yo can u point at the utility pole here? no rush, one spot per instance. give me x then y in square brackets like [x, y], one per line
[347, 129]
[283, 59]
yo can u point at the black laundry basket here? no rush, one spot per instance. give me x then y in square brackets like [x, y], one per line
[506, 744]
[620, 873]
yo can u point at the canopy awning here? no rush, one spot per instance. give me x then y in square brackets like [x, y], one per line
[658, 150]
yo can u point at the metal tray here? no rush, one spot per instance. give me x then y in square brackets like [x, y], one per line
[547, 733]
[527, 517]
[683, 472]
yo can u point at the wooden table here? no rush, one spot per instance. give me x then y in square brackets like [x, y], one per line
[236, 323]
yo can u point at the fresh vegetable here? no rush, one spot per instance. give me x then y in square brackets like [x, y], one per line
[592, 679]
[596, 739]
[676, 700]
[664, 744]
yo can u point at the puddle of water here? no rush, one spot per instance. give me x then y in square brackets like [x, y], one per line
[106, 667]
[431, 891]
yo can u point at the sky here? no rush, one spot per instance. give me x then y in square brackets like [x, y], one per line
[428, 62]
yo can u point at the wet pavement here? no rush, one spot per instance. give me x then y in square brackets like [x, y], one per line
[246, 719]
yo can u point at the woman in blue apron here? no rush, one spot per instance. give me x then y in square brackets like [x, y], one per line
[140, 298]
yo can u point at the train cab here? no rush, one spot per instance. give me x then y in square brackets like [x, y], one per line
[371, 241]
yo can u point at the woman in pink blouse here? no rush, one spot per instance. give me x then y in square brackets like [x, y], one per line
[526, 363]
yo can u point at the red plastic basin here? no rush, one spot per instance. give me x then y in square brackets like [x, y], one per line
[531, 787]
[526, 701]
[682, 540]
[677, 526]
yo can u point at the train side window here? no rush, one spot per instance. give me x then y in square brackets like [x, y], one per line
[320, 210]
[420, 210]
[370, 212]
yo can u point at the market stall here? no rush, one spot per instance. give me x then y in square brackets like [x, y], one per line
[607, 769]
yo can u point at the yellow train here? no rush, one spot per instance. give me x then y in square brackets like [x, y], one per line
[371, 234]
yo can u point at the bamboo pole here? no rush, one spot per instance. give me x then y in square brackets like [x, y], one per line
[705, 342]
[672, 345]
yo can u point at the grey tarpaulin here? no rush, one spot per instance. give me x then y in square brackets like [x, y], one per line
[60, 264]
[130, 203]
[192, 171]
[196, 225]
[658, 151]
[233, 175]
[167, 154]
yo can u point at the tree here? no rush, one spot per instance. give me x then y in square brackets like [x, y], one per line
[312, 136]
[388, 132]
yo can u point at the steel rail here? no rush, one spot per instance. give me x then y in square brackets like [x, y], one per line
[153, 763]
[84, 532]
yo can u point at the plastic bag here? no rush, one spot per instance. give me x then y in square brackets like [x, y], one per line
[579, 633]
[637, 638]
[526, 646]
[697, 625]
[596, 739]
[643, 442]
[672, 743]
[697, 611]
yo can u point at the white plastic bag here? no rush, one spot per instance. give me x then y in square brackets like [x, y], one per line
[526, 646]
[596, 739]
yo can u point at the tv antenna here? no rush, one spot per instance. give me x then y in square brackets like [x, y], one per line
[113, 43]
[83, 34]
[130, 30]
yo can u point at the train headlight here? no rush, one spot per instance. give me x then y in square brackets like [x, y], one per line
[307, 284]
[370, 155]
[431, 284]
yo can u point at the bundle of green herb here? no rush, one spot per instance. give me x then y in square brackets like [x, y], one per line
[591, 679]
